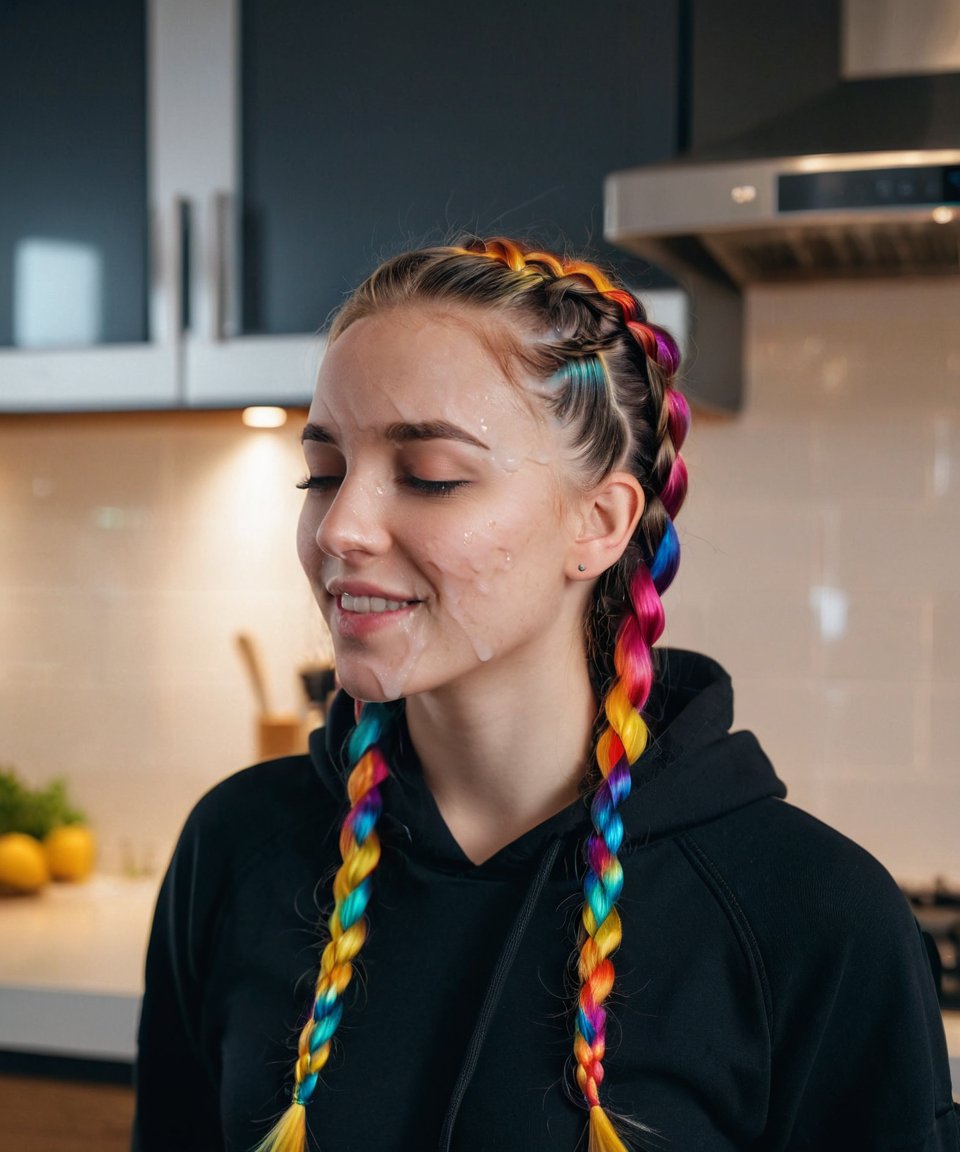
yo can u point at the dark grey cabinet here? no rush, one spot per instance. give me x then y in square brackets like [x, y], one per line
[193, 187]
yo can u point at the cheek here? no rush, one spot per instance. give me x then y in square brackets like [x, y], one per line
[477, 556]
[481, 574]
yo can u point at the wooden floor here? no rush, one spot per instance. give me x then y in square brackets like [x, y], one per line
[41, 1115]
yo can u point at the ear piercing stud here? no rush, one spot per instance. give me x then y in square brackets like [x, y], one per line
[581, 567]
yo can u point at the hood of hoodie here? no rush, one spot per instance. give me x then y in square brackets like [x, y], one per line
[693, 771]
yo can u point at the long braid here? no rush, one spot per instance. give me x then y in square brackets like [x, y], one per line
[612, 376]
[347, 927]
[583, 373]
[624, 739]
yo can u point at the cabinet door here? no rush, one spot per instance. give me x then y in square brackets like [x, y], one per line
[374, 126]
[195, 60]
[276, 150]
[335, 134]
[85, 320]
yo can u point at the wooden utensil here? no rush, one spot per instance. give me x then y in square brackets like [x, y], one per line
[278, 733]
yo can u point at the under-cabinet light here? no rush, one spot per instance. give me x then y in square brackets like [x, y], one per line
[264, 417]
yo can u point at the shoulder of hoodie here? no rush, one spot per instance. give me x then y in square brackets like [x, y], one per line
[271, 809]
[800, 888]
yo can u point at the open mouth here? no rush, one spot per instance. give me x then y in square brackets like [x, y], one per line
[365, 605]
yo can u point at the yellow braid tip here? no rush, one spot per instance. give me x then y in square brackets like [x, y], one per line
[603, 1136]
[290, 1132]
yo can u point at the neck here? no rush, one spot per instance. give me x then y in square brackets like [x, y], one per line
[497, 768]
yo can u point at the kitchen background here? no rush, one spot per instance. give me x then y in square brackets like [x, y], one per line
[821, 542]
[821, 558]
[196, 185]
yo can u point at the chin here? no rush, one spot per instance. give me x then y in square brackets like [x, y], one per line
[370, 686]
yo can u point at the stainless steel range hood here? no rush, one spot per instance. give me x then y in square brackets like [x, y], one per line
[721, 223]
[796, 218]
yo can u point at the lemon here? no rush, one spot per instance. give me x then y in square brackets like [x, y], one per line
[70, 850]
[23, 865]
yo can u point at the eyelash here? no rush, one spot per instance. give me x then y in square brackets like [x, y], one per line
[432, 487]
[414, 483]
[318, 483]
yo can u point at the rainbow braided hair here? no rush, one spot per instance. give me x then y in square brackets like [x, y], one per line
[636, 585]
[623, 740]
[610, 378]
[347, 927]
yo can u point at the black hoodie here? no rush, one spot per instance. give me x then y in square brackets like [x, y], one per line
[772, 992]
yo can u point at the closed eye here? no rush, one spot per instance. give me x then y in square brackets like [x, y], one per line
[431, 487]
[319, 483]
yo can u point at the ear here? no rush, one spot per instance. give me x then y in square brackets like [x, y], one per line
[609, 515]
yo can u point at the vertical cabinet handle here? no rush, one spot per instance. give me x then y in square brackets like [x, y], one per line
[194, 279]
[184, 241]
[169, 264]
[224, 270]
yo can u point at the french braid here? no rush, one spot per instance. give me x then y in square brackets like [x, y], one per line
[624, 738]
[347, 927]
[608, 377]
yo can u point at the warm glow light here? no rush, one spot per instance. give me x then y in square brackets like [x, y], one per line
[942, 214]
[743, 193]
[264, 417]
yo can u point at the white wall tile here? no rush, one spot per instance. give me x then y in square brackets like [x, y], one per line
[787, 718]
[871, 730]
[864, 458]
[909, 825]
[743, 547]
[897, 550]
[945, 735]
[762, 633]
[760, 456]
[943, 478]
[853, 347]
[860, 635]
[945, 636]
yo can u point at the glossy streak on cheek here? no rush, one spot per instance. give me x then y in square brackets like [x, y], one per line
[466, 583]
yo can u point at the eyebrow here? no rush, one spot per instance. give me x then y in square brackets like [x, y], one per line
[404, 433]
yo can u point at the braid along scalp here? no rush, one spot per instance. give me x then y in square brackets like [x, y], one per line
[607, 376]
[634, 586]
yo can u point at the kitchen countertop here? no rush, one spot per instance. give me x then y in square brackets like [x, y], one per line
[71, 967]
[71, 970]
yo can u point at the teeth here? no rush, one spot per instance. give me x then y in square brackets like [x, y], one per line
[370, 603]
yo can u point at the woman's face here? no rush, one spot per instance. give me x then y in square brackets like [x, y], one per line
[439, 514]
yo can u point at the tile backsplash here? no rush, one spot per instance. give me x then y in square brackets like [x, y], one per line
[821, 565]
[822, 558]
[136, 548]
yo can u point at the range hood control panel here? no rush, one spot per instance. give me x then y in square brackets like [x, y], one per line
[906, 187]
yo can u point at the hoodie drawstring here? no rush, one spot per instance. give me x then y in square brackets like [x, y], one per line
[492, 995]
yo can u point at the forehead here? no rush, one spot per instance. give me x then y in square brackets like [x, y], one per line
[407, 358]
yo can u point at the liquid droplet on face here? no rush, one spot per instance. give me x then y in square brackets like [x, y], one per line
[508, 463]
[457, 609]
[393, 680]
[467, 537]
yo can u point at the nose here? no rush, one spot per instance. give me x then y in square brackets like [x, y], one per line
[355, 520]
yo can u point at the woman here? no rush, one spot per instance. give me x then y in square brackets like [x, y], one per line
[564, 893]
